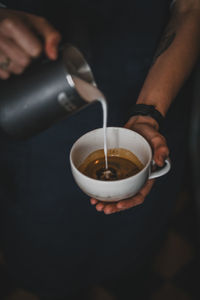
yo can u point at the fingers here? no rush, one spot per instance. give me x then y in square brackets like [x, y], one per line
[109, 208]
[51, 36]
[147, 129]
[18, 45]
[10, 49]
[4, 74]
[18, 59]
[20, 33]
[138, 198]
[161, 151]
[23, 37]
[93, 201]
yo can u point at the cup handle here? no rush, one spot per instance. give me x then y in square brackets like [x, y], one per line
[161, 171]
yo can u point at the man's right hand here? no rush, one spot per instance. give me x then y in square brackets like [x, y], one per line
[24, 37]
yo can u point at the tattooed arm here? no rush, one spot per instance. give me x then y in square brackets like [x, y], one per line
[175, 57]
[173, 62]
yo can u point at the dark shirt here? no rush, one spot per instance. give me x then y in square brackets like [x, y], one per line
[52, 237]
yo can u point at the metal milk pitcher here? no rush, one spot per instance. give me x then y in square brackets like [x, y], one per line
[44, 94]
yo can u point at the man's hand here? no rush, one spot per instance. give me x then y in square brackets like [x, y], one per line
[148, 128]
[23, 37]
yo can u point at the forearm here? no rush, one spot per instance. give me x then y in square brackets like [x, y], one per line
[174, 60]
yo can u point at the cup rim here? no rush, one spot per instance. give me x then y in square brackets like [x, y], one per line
[111, 181]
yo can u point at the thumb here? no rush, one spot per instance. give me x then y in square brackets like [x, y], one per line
[50, 35]
[160, 149]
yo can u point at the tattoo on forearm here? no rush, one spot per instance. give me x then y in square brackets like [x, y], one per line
[164, 44]
[168, 35]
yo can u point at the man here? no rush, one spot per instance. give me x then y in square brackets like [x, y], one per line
[49, 229]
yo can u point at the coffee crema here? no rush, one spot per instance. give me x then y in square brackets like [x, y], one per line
[122, 164]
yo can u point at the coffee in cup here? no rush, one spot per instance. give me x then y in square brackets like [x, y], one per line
[122, 164]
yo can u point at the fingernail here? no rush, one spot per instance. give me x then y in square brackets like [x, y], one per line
[93, 201]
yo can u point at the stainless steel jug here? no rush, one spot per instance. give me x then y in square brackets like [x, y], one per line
[43, 95]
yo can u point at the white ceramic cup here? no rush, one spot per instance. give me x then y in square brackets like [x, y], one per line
[116, 138]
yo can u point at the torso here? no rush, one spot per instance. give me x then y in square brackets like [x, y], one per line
[41, 203]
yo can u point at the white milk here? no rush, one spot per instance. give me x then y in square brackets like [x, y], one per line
[90, 93]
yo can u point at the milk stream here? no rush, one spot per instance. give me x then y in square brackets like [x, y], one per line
[105, 116]
[90, 93]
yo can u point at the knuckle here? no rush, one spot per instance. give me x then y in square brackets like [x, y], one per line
[41, 20]
[58, 35]
[36, 50]
[4, 75]
[8, 23]
[20, 71]
[126, 205]
[44, 22]
[25, 61]
[17, 70]
[163, 139]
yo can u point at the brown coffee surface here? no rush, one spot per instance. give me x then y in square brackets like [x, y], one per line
[122, 164]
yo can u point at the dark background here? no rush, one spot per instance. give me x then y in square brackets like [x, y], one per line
[173, 271]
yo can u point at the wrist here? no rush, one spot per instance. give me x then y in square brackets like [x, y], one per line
[149, 112]
[147, 120]
[158, 105]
